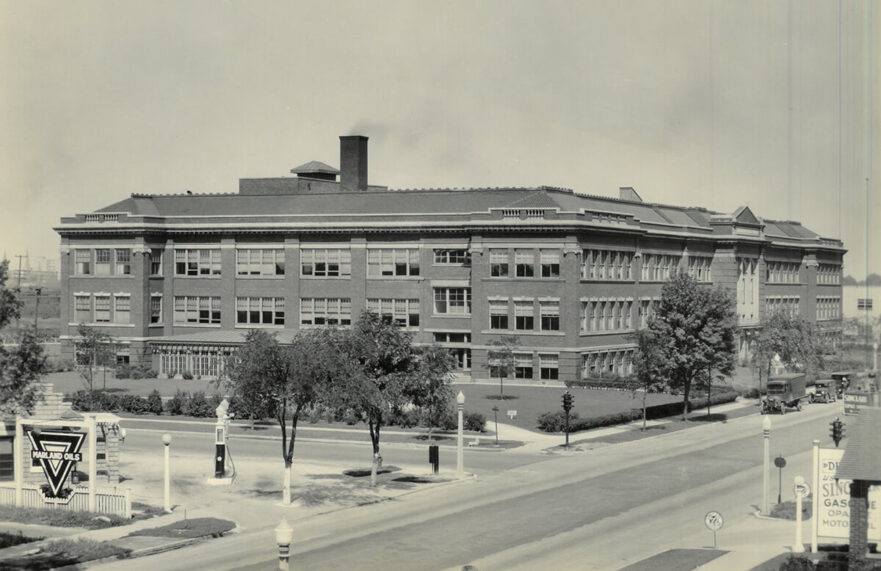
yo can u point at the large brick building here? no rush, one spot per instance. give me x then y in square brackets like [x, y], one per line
[178, 279]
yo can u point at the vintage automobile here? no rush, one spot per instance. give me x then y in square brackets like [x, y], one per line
[824, 391]
[784, 391]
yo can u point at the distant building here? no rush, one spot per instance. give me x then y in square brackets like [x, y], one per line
[178, 279]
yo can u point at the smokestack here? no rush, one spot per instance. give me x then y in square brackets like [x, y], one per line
[353, 163]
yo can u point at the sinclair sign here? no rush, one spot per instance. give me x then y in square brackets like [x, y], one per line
[57, 452]
[833, 496]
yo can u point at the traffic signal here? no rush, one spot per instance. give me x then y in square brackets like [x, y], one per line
[567, 401]
[837, 431]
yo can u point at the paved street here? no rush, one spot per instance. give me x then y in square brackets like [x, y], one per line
[603, 508]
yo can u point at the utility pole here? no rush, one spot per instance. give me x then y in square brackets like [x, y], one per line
[37, 292]
[18, 287]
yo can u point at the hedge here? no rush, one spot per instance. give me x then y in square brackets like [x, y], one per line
[673, 408]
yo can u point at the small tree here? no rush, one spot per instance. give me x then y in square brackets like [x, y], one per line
[269, 379]
[431, 389]
[646, 364]
[94, 349]
[376, 373]
[501, 360]
[691, 324]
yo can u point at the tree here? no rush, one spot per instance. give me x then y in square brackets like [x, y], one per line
[376, 373]
[719, 335]
[647, 360]
[431, 389]
[20, 368]
[94, 349]
[501, 360]
[691, 324]
[793, 339]
[270, 379]
[849, 280]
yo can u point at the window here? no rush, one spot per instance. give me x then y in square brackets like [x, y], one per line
[83, 260]
[260, 262]
[403, 312]
[452, 300]
[646, 309]
[550, 315]
[523, 315]
[524, 260]
[325, 311]
[452, 337]
[102, 309]
[550, 263]
[390, 262]
[203, 262]
[607, 363]
[451, 257]
[523, 365]
[155, 309]
[549, 366]
[498, 263]
[198, 310]
[498, 314]
[699, 268]
[659, 267]
[326, 263]
[102, 261]
[463, 358]
[122, 308]
[782, 272]
[828, 274]
[864, 304]
[155, 262]
[123, 262]
[606, 265]
[260, 310]
[82, 309]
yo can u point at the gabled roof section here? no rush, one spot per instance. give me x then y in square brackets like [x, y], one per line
[744, 215]
[313, 167]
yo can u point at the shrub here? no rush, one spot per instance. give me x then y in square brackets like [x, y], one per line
[399, 417]
[753, 393]
[137, 374]
[83, 549]
[474, 421]
[215, 401]
[198, 405]
[154, 402]
[188, 376]
[352, 418]
[613, 419]
[555, 421]
[150, 373]
[134, 403]
[797, 563]
[443, 419]
[122, 372]
[81, 401]
[175, 405]
[106, 401]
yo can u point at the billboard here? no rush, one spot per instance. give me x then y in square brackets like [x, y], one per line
[833, 512]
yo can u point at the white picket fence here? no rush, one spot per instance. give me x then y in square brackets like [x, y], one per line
[107, 501]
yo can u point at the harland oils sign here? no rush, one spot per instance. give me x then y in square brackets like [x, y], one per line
[56, 452]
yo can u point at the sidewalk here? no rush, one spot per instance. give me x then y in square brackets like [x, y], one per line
[761, 539]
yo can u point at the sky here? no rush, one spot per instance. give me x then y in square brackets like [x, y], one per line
[772, 104]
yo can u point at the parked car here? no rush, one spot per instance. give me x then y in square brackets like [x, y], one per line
[824, 391]
[784, 391]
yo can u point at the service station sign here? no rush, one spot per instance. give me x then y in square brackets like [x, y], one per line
[57, 452]
[833, 518]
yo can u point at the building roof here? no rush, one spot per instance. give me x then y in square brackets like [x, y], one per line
[314, 167]
[862, 453]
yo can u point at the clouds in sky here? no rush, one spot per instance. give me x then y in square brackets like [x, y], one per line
[692, 102]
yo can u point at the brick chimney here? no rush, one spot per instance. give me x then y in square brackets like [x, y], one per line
[353, 163]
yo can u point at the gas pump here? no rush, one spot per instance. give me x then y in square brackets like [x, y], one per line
[221, 430]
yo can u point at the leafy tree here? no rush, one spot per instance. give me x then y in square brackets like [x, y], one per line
[647, 360]
[94, 349]
[793, 339]
[501, 360]
[431, 389]
[20, 368]
[873, 280]
[269, 379]
[375, 375]
[849, 280]
[692, 324]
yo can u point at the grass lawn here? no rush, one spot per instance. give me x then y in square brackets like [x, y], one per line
[190, 528]
[65, 552]
[530, 402]
[60, 518]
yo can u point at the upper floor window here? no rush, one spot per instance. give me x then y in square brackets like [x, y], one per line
[103, 260]
[524, 315]
[451, 257]
[82, 309]
[326, 262]
[550, 263]
[260, 310]
[122, 309]
[102, 309]
[607, 315]
[699, 268]
[452, 300]
[391, 262]
[156, 262]
[498, 263]
[259, 262]
[83, 259]
[828, 274]
[658, 267]
[782, 272]
[123, 262]
[197, 262]
[524, 261]
[606, 265]
[196, 309]
[326, 311]
[403, 312]
[155, 309]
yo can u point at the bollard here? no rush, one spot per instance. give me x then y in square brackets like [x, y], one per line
[284, 535]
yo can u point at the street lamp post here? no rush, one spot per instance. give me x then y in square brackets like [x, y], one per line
[166, 441]
[460, 460]
[766, 461]
[284, 535]
[496, 415]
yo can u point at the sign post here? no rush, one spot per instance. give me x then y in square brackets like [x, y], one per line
[714, 522]
[801, 489]
[780, 462]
